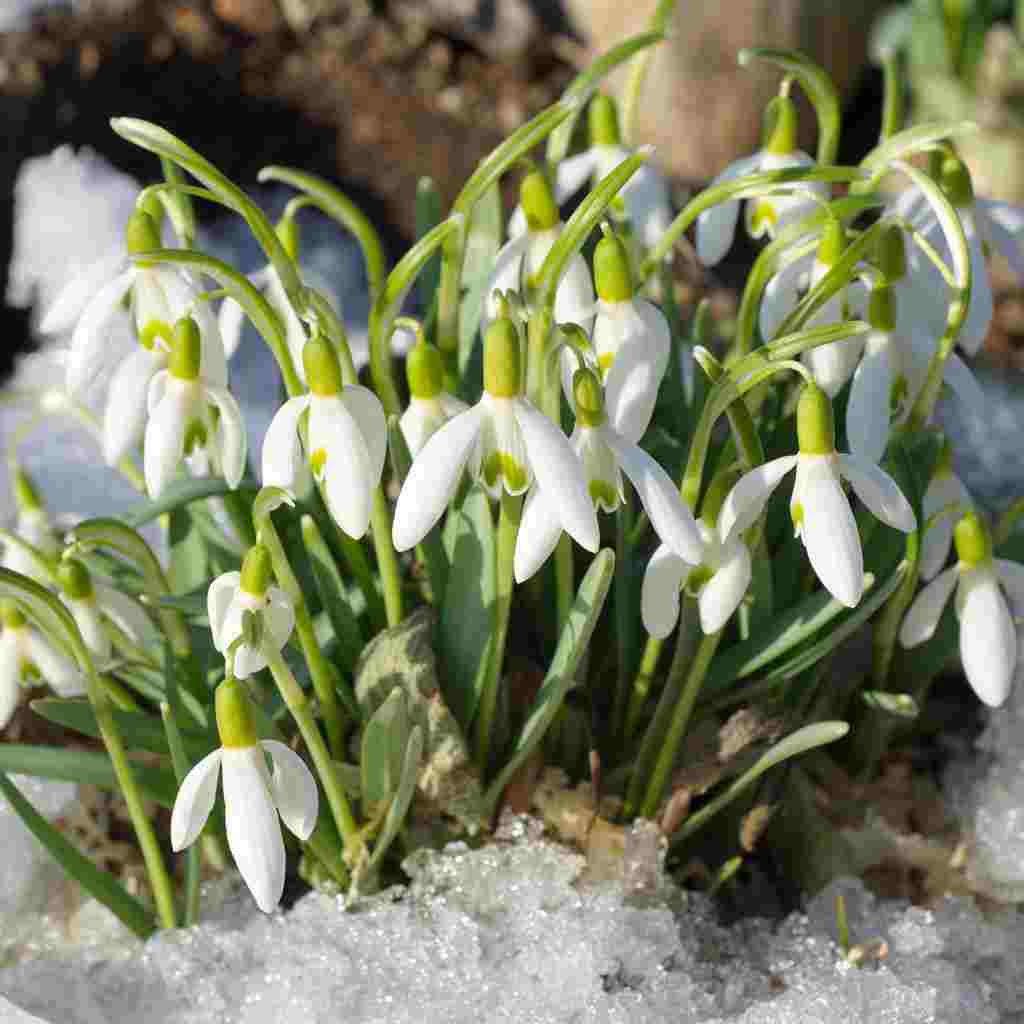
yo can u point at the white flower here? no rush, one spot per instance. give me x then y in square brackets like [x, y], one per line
[426, 416]
[718, 576]
[819, 508]
[254, 798]
[946, 499]
[524, 255]
[233, 594]
[605, 455]
[508, 445]
[24, 652]
[191, 419]
[988, 637]
[346, 441]
[160, 296]
[94, 605]
[33, 527]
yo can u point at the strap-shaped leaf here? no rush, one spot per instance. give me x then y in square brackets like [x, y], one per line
[97, 883]
[561, 674]
[385, 738]
[180, 494]
[402, 798]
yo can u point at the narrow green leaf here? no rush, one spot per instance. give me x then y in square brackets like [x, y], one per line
[45, 610]
[561, 674]
[182, 493]
[911, 140]
[466, 623]
[428, 216]
[402, 798]
[799, 742]
[486, 230]
[97, 883]
[385, 738]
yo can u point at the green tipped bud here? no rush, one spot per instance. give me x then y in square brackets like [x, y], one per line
[538, 202]
[955, 179]
[603, 121]
[588, 398]
[891, 254]
[26, 496]
[288, 235]
[503, 360]
[257, 571]
[234, 715]
[613, 276]
[780, 126]
[186, 350]
[74, 580]
[833, 242]
[815, 423]
[142, 233]
[882, 308]
[323, 371]
[11, 616]
[717, 492]
[973, 544]
[424, 370]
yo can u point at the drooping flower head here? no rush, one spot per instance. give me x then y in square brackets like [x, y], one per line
[945, 500]
[33, 527]
[507, 444]
[346, 441]
[234, 595]
[819, 508]
[256, 800]
[430, 406]
[988, 592]
[191, 419]
[605, 455]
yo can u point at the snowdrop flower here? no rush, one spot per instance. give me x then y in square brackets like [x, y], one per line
[524, 255]
[718, 576]
[191, 418]
[631, 341]
[644, 199]
[945, 499]
[605, 455]
[768, 214]
[94, 605]
[890, 376]
[430, 406]
[33, 527]
[231, 596]
[160, 296]
[819, 509]
[986, 588]
[508, 446]
[346, 446]
[255, 798]
[24, 653]
[987, 224]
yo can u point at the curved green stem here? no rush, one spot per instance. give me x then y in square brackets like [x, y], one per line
[387, 559]
[642, 685]
[892, 104]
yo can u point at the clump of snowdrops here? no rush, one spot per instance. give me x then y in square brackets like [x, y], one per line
[568, 525]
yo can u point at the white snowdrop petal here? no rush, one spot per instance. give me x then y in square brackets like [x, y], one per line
[433, 478]
[988, 640]
[574, 298]
[125, 613]
[294, 789]
[745, 502]
[165, 436]
[631, 389]
[573, 172]
[559, 472]
[230, 324]
[71, 300]
[722, 594]
[538, 535]
[828, 530]
[867, 413]
[942, 493]
[781, 294]
[962, 382]
[659, 593]
[59, 672]
[248, 661]
[922, 618]
[832, 365]
[365, 408]
[278, 616]
[10, 676]
[347, 470]
[219, 598]
[879, 492]
[194, 801]
[90, 343]
[504, 276]
[87, 618]
[716, 227]
[231, 434]
[672, 520]
[254, 832]
[1005, 224]
[647, 205]
[1011, 576]
[124, 418]
[981, 307]
[283, 463]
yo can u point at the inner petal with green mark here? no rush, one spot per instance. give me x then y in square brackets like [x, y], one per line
[604, 495]
[502, 466]
[195, 437]
[697, 578]
[761, 216]
[154, 331]
[318, 462]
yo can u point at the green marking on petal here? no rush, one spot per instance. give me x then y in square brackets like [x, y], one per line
[604, 495]
[761, 217]
[317, 462]
[11, 615]
[796, 513]
[154, 331]
[697, 578]
[899, 395]
[502, 466]
[195, 437]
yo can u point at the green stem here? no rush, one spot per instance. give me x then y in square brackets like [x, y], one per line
[387, 559]
[298, 705]
[505, 544]
[241, 519]
[677, 727]
[892, 105]
[319, 670]
[180, 763]
[642, 684]
[358, 565]
[625, 614]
